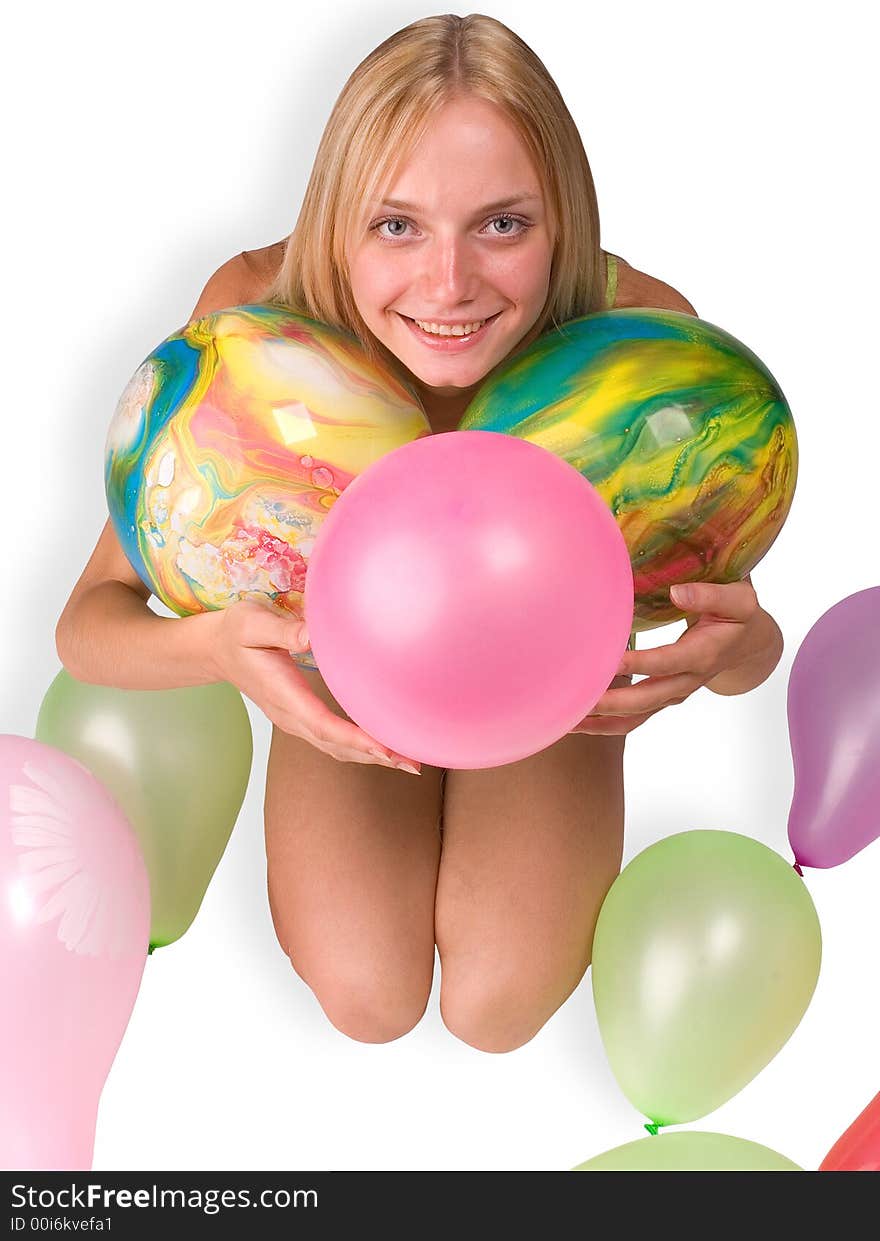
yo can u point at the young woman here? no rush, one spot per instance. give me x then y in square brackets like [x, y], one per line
[450, 219]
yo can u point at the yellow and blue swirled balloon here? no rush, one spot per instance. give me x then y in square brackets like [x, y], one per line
[681, 428]
[230, 444]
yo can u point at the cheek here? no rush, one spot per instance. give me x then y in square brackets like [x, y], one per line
[374, 283]
[523, 276]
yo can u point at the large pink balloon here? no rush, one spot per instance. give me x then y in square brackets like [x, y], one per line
[74, 930]
[834, 727]
[468, 599]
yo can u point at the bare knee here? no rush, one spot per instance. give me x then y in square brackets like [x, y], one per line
[370, 1010]
[368, 1002]
[498, 1012]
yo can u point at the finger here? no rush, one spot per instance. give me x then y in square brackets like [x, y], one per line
[314, 721]
[730, 600]
[612, 725]
[648, 695]
[269, 627]
[297, 710]
[677, 657]
[329, 732]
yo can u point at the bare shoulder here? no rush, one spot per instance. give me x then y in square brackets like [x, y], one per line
[263, 264]
[636, 288]
[228, 286]
[241, 279]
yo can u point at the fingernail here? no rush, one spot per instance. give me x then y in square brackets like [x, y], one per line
[682, 595]
[304, 635]
[414, 771]
[383, 757]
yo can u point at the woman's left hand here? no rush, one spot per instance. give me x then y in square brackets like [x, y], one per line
[730, 640]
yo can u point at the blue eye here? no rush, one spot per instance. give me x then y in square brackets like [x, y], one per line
[395, 220]
[374, 228]
[505, 219]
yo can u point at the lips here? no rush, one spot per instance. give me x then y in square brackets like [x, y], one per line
[448, 344]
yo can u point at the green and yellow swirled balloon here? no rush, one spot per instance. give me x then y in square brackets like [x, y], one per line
[681, 428]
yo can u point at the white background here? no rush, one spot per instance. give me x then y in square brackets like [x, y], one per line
[732, 150]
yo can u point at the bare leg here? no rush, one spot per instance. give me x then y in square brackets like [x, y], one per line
[529, 852]
[352, 855]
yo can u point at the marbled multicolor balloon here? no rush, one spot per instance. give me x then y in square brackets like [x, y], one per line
[230, 444]
[681, 429]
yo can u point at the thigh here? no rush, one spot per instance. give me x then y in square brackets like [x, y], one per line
[352, 854]
[529, 852]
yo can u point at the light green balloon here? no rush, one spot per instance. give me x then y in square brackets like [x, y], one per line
[690, 1152]
[178, 763]
[705, 957]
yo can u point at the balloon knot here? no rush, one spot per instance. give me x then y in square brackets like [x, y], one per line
[798, 869]
[652, 1129]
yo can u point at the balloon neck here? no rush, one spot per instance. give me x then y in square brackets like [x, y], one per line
[652, 1129]
[797, 867]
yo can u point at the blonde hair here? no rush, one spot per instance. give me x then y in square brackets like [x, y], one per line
[380, 115]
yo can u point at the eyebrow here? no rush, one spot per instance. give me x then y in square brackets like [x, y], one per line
[510, 201]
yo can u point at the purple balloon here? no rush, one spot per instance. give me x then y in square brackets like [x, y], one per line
[834, 728]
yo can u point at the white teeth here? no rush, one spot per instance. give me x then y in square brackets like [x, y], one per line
[443, 329]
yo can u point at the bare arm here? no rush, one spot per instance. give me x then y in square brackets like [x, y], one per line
[107, 635]
[636, 288]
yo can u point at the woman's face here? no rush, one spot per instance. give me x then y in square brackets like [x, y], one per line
[463, 238]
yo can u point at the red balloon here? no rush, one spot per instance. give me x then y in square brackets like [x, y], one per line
[858, 1150]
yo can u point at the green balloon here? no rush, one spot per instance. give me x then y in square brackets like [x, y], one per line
[690, 1152]
[705, 957]
[178, 763]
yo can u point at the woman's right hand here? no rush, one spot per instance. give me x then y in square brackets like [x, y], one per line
[251, 649]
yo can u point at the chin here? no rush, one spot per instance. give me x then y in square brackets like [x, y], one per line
[451, 384]
[456, 372]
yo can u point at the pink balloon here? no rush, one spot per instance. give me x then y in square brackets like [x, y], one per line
[468, 599]
[834, 728]
[74, 931]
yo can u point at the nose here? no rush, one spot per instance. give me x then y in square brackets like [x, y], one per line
[450, 275]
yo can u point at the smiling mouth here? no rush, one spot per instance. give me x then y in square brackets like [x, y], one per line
[448, 336]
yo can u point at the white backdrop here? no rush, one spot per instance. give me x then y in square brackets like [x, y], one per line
[733, 158]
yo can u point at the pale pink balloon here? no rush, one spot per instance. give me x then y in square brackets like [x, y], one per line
[468, 599]
[74, 931]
